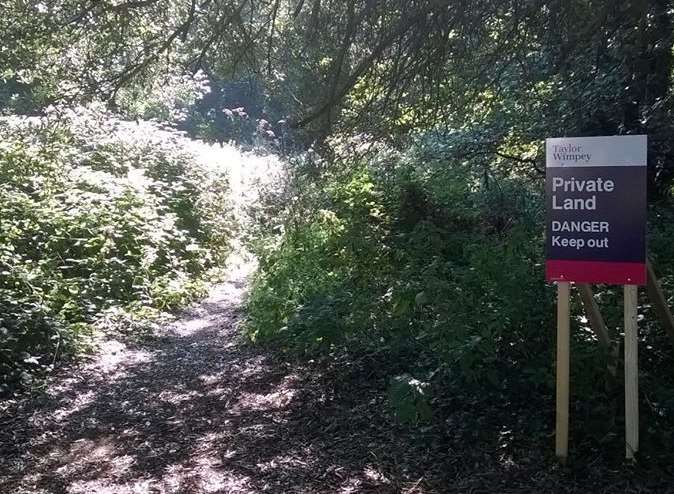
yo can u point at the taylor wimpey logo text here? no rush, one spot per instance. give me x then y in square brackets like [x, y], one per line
[569, 153]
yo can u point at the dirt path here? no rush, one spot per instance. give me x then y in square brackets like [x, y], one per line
[194, 409]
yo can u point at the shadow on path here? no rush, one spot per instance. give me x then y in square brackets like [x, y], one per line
[192, 410]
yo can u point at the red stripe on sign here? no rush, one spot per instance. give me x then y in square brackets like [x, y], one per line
[612, 273]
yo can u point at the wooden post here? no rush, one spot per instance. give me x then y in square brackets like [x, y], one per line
[631, 372]
[562, 398]
[594, 314]
[657, 297]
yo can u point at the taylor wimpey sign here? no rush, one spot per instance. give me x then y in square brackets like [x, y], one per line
[596, 205]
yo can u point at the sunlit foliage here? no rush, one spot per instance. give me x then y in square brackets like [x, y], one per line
[97, 213]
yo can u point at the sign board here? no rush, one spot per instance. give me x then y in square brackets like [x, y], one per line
[596, 209]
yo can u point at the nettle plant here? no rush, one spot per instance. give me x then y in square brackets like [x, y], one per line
[98, 214]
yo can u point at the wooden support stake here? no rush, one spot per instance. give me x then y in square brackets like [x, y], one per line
[593, 314]
[562, 398]
[631, 373]
[657, 297]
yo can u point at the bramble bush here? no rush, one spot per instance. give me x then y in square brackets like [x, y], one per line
[97, 215]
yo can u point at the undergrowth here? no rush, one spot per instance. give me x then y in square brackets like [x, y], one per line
[100, 220]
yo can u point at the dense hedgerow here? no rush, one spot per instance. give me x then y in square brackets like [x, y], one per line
[97, 214]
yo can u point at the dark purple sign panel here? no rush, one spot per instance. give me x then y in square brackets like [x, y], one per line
[596, 209]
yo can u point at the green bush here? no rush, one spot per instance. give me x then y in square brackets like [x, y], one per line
[97, 214]
[409, 400]
[435, 260]
[407, 250]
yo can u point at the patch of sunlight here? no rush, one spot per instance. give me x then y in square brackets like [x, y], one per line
[79, 403]
[352, 486]
[119, 465]
[252, 367]
[171, 396]
[210, 443]
[83, 456]
[188, 327]
[371, 477]
[374, 475]
[505, 439]
[230, 293]
[138, 486]
[138, 180]
[211, 379]
[204, 476]
[111, 359]
[280, 397]
[282, 462]
[91, 450]
[115, 355]
[270, 401]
